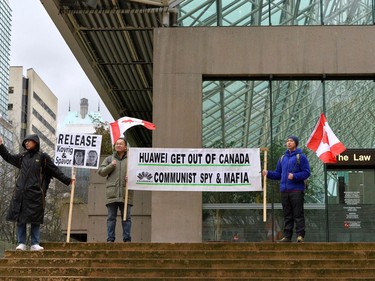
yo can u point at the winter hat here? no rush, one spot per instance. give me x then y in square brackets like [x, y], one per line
[295, 139]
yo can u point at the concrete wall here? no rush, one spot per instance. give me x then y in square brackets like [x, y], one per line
[182, 56]
[97, 214]
[261, 51]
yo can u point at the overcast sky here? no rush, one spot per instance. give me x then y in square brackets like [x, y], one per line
[36, 43]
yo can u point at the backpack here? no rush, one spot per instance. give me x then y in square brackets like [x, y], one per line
[306, 181]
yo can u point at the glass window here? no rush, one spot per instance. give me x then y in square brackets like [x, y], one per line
[275, 12]
[257, 114]
[351, 197]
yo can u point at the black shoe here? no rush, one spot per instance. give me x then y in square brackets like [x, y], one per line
[284, 239]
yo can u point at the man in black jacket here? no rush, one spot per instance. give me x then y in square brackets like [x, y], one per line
[28, 201]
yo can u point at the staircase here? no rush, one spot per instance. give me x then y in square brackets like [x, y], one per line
[192, 261]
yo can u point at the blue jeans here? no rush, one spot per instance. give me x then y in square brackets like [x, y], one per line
[111, 222]
[34, 233]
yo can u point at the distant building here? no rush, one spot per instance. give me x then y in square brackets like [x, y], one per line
[32, 108]
[83, 121]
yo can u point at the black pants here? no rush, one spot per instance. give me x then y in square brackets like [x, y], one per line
[292, 203]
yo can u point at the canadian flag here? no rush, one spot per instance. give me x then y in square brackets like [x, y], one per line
[118, 128]
[324, 142]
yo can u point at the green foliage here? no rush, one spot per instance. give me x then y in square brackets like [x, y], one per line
[103, 129]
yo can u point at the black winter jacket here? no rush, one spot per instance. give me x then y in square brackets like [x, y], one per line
[28, 201]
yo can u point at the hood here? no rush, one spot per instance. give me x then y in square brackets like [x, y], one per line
[31, 137]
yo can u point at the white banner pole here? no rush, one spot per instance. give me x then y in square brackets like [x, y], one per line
[71, 204]
[265, 186]
[126, 179]
[126, 201]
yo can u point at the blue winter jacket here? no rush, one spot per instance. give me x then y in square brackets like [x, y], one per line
[289, 164]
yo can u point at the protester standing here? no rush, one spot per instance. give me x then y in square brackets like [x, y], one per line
[292, 170]
[28, 201]
[114, 168]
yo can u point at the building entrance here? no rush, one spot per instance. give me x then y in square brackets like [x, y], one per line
[351, 197]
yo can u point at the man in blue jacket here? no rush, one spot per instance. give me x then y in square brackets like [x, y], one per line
[292, 170]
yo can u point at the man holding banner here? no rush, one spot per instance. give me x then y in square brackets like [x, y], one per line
[292, 170]
[114, 167]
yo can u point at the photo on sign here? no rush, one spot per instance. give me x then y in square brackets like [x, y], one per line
[79, 157]
[92, 158]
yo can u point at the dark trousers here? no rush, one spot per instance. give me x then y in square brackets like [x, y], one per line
[292, 203]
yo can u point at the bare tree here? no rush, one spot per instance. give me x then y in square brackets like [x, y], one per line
[7, 183]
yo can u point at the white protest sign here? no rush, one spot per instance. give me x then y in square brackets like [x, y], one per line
[78, 150]
[170, 169]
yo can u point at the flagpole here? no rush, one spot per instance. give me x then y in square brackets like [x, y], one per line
[326, 199]
[325, 166]
[71, 204]
[126, 194]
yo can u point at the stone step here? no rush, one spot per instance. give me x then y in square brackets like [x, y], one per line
[179, 263]
[188, 272]
[249, 246]
[192, 261]
[207, 278]
[195, 254]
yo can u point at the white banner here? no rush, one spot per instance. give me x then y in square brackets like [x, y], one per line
[78, 150]
[176, 169]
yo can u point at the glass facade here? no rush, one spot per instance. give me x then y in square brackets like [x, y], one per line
[262, 113]
[5, 35]
[275, 12]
